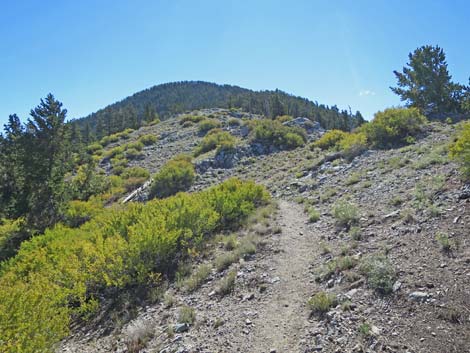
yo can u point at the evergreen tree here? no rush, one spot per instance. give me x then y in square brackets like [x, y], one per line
[100, 128]
[48, 159]
[425, 82]
[13, 186]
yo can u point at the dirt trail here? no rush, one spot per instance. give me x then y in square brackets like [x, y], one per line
[283, 315]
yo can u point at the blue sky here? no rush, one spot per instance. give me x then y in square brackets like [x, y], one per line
[91, 53]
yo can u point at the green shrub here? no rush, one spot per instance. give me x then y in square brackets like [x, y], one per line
[135, 172]
[175, 176]
[215, 139]
[322, 302]
[460, 150]
[137, 145]
[186, 315]
[394, 126]
[132, 154]
[284, 118]
[444, 241]
[346, 214]
[133, 183]
[247, 246]
[234, 122]
[352, 145]
[87, 182]
[208, 124]
[222, 262]
[109, 139]
[197, 278]
[12, 233]
[191, 119]
[79, 212]
[379, 272]
[148, 140]
[227, 284]
[119, 164]
[330, 139]
[60, 275]
[94, 148]
[271, 132]
[313, 215]
[116, 151]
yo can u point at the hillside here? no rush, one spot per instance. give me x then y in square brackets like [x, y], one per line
[361, 254]
[177, 97]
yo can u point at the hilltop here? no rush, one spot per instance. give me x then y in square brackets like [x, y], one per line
[168, 99]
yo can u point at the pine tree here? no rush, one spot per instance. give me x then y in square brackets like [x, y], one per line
[48, 159]
[425, 82]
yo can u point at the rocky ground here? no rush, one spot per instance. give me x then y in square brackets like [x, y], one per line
[410, 211]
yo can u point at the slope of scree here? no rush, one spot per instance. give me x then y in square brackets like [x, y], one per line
[408, 212]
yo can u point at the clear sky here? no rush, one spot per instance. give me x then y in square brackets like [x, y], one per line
[91, 53]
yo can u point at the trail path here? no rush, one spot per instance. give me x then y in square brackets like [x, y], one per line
[283, 315]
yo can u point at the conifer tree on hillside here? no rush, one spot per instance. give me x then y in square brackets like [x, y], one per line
[426, 84]
[35, 158]
[48, 145]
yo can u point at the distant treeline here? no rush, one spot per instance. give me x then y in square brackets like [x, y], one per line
[162, 101]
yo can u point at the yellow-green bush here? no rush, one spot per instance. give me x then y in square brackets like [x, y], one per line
[87, 182]
[191, 118]
[135, 172]
[11, 235]
[109, 139]
[79, 212]
[61, 274]
[330, 139]
[132, 153]
[94, 148]
[208, 124]
[148, 140]
[134, 177]
[394, 126]
[352, 144]
[119, 150]
[175, 176]
[216, 138]
[272, 132]
[460, 150]
[137, 145]
[284, 118]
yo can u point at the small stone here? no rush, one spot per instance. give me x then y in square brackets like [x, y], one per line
[248, 322]
[250, 296]
[375, 330]
[272, 350]
[396, 286]
[179, 328]
[419, 296]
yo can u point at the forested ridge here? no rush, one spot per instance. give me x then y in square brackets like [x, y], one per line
[165, 100]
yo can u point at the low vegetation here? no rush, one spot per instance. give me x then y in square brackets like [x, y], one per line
[272, 132]
[227, 284]
[460, 150]
[322, 302]
[215, 139]
[206, 125]
[345, 213]
[379, 272]
[63, 273]
[390, 128]
[175, 176]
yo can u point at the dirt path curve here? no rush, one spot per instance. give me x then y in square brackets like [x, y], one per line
[283, 316]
